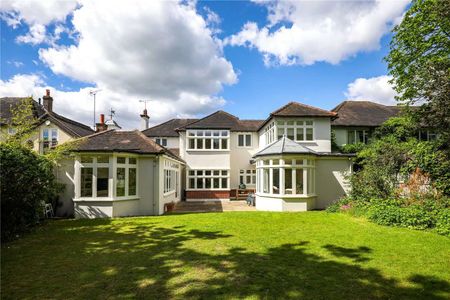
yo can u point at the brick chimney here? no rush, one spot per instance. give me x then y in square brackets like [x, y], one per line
[48, 101]
[144, 120]
[101, 126]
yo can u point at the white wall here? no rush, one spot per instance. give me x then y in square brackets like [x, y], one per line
[126, 208]
[65, 174]
[148, 185]
[240, 157]
[266, 203]
[331, 183]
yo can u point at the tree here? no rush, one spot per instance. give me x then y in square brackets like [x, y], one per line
[419, 61]
[23, 121]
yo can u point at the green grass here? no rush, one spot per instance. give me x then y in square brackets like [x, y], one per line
[255, 255]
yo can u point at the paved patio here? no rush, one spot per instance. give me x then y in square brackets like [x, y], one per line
[212, 206]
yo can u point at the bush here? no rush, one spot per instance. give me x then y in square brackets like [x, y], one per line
[443, 222]
[27, 180]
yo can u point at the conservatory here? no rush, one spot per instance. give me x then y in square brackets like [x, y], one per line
[285, 177]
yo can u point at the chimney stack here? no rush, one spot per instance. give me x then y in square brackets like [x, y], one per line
[144, 120]
[101, 126]
[48, 101]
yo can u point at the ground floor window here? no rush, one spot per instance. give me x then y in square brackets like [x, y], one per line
[94, 176]
[208, 179]
[126, 176]
[247, 176]
[286, 176]
[170, 179]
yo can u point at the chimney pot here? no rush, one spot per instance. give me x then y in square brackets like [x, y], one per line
[102, 119]
[47, 92]
[48, 101]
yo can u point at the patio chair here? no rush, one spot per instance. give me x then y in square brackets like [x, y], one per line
[48, 210]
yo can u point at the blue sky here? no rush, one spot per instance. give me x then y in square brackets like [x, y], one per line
[246, 70]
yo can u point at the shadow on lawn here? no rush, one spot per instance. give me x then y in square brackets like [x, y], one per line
[160, 263]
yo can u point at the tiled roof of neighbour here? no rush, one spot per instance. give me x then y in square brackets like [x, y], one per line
[223, 120]
[363, 113]
[122, 141]
[284, 146]
[74, 128]
[167, 129]
[295, 109]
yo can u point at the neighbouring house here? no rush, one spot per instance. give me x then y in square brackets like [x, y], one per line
[286, 159]
[51, 130]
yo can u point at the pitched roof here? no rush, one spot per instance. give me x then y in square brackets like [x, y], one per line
[74, 128]
[223, 120]
[295, 109]
[121, 141]
[284, 146]
[167, 128]
[363, 113]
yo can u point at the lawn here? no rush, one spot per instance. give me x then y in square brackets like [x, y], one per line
[255, 255]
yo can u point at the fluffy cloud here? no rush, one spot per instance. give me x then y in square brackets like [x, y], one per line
[155, 50]
[305, 32]
[376, 89]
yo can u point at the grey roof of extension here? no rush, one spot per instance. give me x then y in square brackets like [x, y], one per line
[284, 146]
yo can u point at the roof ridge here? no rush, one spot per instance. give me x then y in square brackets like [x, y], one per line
[212, 114]
[160, 124]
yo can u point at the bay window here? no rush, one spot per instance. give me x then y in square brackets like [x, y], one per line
[292, 177]
[171, 171]
[208, 179]
[208, 139]
[94, 176]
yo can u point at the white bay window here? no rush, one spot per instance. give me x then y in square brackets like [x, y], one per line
[299, 131]
[292, 177]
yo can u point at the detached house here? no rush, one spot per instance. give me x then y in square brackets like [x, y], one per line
[286, 159]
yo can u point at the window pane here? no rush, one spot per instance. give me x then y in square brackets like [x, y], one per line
[216, 143]
[309, 134]
[280, 122]
[164, 142]
[299, 181]
[45, 134]
[290, 133]
[248, 140]
[192, 183]
[200, 183]
[216, 133]
[241, 140]
[207, 183]
[360, 136]
[199, 143]
[207, 144]
[241, 179]
[199, 172]
[290, 123]
[191, 143]
[207, 133]
[275, 162]
[299, 123]
[191, 133]
[216, 183]
[131, 181]
[224, 172]
[300, 135]
[191, 172]
[224, 183]
[266, 180]
[224, 133]
[200, 133]
[102, 182]
[121, 160]
[103, 159]
[351, 137]
[280, 133]
[208, 172]
[308, 123]
[224, 144]
[86, 182]
[276, 181]
[288, 181]
[120, 187]
[216, 172]
[132, 160]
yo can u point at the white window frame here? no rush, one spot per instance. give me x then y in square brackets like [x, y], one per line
[269, 133]
[306, 164]
[247, 174]
[207, 134]
[171, 173]
[112, 165]
[297, 125]
[244, 140]
[431, 136]
[355, 136]
[161, 141]
[194, 174]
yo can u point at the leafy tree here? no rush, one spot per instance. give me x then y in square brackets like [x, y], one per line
[419, 61]
[23, 121]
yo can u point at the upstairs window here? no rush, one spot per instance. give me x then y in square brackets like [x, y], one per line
[161, 141]
[208, 140]
[358, 136]
[245, 140]
[269, 133]
[299, 131]
[49, 138]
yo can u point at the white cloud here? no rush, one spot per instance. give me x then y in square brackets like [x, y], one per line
[15, 63]
[306, 32]
[376, 89]
[160, 51]
[36, 35]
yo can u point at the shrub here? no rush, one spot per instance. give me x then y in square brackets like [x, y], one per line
[27, 180]
[443, 222]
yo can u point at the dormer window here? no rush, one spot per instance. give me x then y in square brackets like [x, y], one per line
[299, 131]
